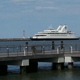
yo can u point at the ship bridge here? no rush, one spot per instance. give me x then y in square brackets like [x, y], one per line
[62, 28]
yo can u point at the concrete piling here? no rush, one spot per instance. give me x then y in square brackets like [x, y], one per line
[31, 68]
[3, 69]
[23, 69]
[70, 65]
[58, 66]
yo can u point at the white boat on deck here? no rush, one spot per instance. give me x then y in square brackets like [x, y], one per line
[60, 33]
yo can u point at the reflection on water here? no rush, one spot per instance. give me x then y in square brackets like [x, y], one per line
[44, 73]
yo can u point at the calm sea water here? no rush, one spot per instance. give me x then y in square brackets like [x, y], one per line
[44, 69]
[44, 73]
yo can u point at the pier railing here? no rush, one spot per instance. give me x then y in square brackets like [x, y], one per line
[23, 50]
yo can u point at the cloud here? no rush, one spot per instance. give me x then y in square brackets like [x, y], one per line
[16, 1]
[69, 9]
[58, 7]
[49, 2]
[27, 11]
[22, 2]
[45, 1]
[46, 8]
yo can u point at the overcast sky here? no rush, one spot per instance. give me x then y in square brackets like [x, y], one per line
[36, 15]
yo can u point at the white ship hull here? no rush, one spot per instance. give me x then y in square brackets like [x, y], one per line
[67, 37]
[60, 33]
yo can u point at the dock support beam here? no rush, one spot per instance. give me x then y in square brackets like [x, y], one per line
[58, 66]
[31, 68]
[23, 69]
[70, 65]
[3, 69]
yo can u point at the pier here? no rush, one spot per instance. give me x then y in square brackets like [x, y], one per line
[28, 56]
[15, 39]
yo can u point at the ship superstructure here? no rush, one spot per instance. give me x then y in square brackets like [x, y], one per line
[60, 33]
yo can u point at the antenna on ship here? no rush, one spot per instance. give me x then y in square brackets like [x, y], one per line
[50, 27]
[23, 33]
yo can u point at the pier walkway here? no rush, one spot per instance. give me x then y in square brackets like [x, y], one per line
[29, 55]
[39, 50]
[20, 52]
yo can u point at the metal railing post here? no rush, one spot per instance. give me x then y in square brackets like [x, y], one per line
[63, 50]
[25, 51]
[43, 49]
[17, 51]
[58, 50]
[51, 49]
[70, 49]
[7, 52]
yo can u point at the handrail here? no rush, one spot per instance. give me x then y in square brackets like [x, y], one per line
[34, 49]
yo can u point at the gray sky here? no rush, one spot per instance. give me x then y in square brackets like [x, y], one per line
[36, 15]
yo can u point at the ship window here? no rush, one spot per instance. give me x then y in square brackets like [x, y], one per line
[40, 35]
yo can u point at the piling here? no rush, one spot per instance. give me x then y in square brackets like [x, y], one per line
[3, 69]
[58, 66]
[23, 69]
[70, 65]
[33, 67]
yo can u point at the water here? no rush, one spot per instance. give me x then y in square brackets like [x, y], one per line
[17, 44]
[45, 71]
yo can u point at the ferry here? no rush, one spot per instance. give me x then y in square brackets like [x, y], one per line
[61, 33]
